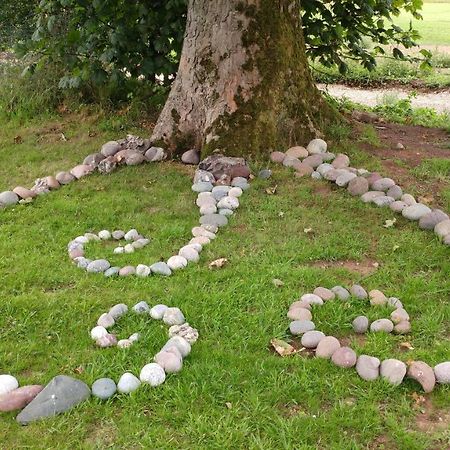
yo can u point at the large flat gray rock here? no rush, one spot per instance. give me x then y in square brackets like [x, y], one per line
[60, 395]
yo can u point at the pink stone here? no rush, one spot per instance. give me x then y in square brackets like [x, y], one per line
[52, 182]
[76, 253]
[126, 271]
[277, 157]
[109, 340]
[344, 357]
[81, 170]
[24, 192]
[19, 398]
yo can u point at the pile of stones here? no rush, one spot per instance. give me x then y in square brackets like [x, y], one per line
[63, 392]
[371, 187]
[368, 367]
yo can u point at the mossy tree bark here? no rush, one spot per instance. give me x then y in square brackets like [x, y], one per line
[243, 85]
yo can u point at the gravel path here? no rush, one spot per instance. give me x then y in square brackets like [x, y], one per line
[440, 101]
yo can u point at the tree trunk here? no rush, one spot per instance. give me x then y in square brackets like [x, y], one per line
[243, 84]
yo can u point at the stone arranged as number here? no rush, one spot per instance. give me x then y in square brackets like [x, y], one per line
[368, 367]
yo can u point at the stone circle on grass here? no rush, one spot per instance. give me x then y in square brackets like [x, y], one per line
[368, 367]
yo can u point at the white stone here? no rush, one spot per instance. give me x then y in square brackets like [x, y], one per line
[134, 337]
[152, 374]
[180, 343]
[98, 332]
[118, 310]
[124, 343]
[8, 383]
[189, 253]
[131, 235]
[202, 240]
[311, 299]
[157, 312]
[129, 248]
[235, 192]
[106, 320]
[177, 262]
[317, 146]
[104, 235]
[119, 250]
[173, 316]
[228, 203]
[142, 270]
[128, 383]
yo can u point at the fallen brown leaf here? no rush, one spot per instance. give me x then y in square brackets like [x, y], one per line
[271, 190]
[218, 263]
[277, 282]
[282, 347]
[407, 345]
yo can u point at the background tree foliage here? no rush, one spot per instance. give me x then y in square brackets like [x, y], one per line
[101, 41]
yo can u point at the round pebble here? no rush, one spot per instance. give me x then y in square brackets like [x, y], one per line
[341, 293]
[377, 298]
[177, 262]
[442, 372]
[106, 320]
[299, 314]
[104, 388]
[327, 346]
[393, 371]
[180, 343]
[158, 311]
[169, 360]
[141, 308]
[399, 315]
[311, 299]
[173, 316]
[8, 383]
[128, 383]
[301, 326]
[324, 293]
[358, 291]
[311, 339]
[98, 266]
[98, 332]
[368, 367]
[118, 310]
[344, 357]
[360, 324]
[152, 374]
[142, 270]
[382, 325]
[416, 211]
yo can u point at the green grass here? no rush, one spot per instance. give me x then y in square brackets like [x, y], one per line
[48, 307]
[435, 24]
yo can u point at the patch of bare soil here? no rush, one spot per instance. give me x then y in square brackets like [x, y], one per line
[430, 419]
[420, 144]
[382, 442]
[364, 267]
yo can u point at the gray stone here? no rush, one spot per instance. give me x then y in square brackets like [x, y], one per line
[312, 338]
[99, 265]
[111, 272]
[93, 159]
[60, 395]
[202, 186]
[398, 206]
[118, 310]
[213, 219]
[141, 308]
[110, 148]
[383, 201]
[155, 154]
[191, 157]
[8, 198]
[333, 174]
[327, 346]
[383, 184]
[371, 195]
[358, 186]
[204, 176]
[360, 324]
[408, 199]
[395, 192]
[368, 367]
[104, 388]
[157, 312]
[382, 325]
[265, 174]
[344, 357]
[416, 211]
[317, 146]
[107, 165]
[64, 177]
[290, 161]
[324, 168]
[344, 179]
[327, 156]
[240, 182]
[220, 192]
[394, 302]
[301, 326]
[316, 175]
[393, 371]
[442, 229]
[161, 268]
[430, 220]
[341, 161]
[133, 158]
[442, 372]
[173, 316]
[358, 291]
[313, 161]
[341, 293]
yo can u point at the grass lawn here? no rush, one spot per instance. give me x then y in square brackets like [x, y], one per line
[233, 391]
[435, 26]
